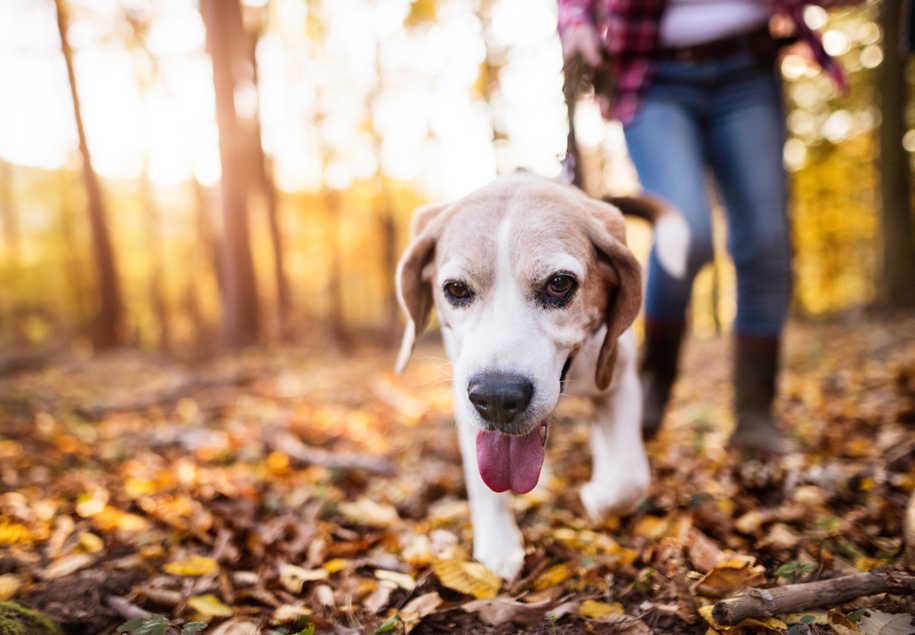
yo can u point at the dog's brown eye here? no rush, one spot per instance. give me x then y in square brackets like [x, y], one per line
[457, 292]
[560, 285]
[558, 290]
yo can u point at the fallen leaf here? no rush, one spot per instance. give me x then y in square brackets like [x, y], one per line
[703, 552]
[403, 580]
[501, 610]
[67, 565]
[875, 622]
[468, 577]
[192, 566]
[553, 576]
[237, 626]
[9, 585]
[780, 537]
[379, 598]
[13, 533]
[209, 605]
[90, 543]
[288, 613]
[598, 610]
[418, 608]
[730, 577]
[367, 512]
[324, 595]
[293, 578]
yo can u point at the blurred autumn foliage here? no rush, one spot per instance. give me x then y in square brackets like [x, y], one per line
[319, 191]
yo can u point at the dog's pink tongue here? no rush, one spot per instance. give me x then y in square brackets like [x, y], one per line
[508, 462]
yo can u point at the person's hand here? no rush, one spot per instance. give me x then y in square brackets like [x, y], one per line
[581, 38]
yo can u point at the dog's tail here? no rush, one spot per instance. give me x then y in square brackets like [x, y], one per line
[671, 230]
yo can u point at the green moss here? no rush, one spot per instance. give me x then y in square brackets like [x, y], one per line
[18, 620]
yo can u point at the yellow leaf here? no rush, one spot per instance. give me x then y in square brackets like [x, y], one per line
[402, 580]
[12, 533]
[597, 610]
[9, 585]
[471, 578]
[335, 565]
[651, 527]
[553, 576]
[209, 605]
[90, 543]
[866, 563]
[193, 565]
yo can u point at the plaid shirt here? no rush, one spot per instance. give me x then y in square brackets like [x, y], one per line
[628, 32]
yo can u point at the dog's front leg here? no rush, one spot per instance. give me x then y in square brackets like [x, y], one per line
[620, 473]
[497, 541]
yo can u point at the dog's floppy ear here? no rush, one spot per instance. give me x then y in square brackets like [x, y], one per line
[414, 293]
[608, 233]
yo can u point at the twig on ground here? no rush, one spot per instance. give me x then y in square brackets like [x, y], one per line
[764, 603]
[286, 443]
[162, 398]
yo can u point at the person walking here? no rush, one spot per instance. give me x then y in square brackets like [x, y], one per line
[696, 87]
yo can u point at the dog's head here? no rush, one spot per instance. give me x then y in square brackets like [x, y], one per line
[521, 273]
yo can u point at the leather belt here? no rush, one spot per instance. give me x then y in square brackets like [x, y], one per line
[758, 42]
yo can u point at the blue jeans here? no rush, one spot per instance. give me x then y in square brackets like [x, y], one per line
[724, 115]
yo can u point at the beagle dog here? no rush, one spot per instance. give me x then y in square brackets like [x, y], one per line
[535, 291]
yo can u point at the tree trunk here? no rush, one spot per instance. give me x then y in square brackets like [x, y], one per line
[110, 325]
[73, 267]
[157, 276]
[9, 216]
[268, 188]
[897, 279]
[335, 280]
[225, 42]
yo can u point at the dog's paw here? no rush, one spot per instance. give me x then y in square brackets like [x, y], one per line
[613, 496]
[503, 556]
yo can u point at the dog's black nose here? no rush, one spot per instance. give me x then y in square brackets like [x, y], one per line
[499, 397]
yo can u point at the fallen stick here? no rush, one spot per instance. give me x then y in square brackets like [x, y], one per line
[289, 445]
[162, 398]
[792, 598]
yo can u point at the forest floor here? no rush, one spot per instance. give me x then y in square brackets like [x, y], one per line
[298, 489]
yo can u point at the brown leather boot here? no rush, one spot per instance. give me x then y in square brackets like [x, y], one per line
[755, 370]
[657, 370]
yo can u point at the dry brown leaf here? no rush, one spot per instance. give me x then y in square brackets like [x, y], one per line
[729, 577]
[467, 577]
[365, 511]
[403, 580]
[236, 626]
[67, 565]
[780, 537]
[324, 595]
[501, 610]
[875, 622]
[288, 613]
[418, 608]
[293, 578]
[379, 598]
[703, 552]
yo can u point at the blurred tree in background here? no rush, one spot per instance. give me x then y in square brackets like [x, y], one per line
[260, 161]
